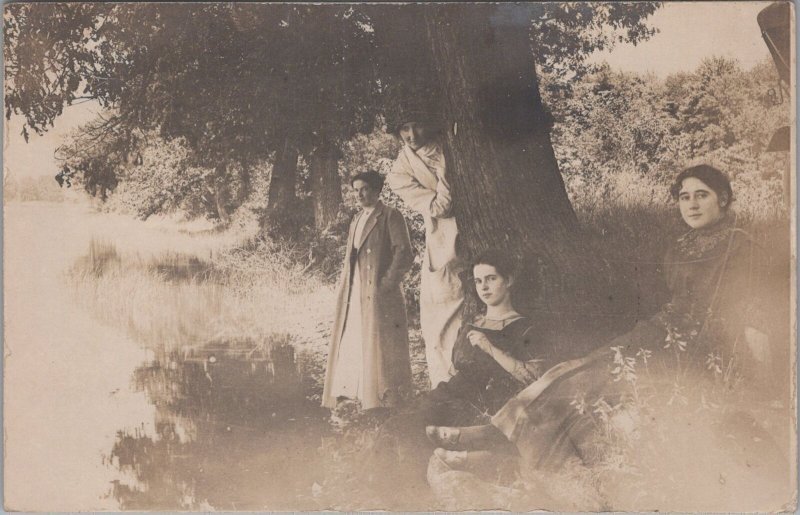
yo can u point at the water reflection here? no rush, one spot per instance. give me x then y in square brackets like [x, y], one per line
[232, 431]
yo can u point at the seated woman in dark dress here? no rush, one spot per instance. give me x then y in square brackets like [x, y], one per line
[495, 355]
[668, 416]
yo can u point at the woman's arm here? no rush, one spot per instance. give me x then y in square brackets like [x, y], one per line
[435, 203]
[518, 369]
[441, 206]
[402, 257]
[746, 293]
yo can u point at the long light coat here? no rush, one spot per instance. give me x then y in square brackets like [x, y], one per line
[384, 257]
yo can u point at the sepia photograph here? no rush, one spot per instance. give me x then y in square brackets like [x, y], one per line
[399, 256]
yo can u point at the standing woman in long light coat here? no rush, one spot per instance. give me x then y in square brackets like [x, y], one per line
[419, 177]
[368, 358]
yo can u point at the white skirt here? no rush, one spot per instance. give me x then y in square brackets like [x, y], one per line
[441, 301]
[348, 369]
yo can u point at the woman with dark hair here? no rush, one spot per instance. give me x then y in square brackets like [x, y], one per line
[419, 177]
[496, 354]
[368, 358]
[674, 391]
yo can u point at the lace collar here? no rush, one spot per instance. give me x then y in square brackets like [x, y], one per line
[707, 242]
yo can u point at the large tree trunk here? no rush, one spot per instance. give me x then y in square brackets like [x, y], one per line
[283, 205]
[326, 185]
[505, 178]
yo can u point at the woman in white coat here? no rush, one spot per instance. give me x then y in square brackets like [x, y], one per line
[419, 177]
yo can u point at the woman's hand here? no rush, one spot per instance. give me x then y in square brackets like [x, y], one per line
[479, 340]
[524, 372]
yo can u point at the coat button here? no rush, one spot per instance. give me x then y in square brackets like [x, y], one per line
[369, 251]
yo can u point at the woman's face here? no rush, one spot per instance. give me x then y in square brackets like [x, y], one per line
[700, 206]
[365, 194]
[415, 134]
[492, 287]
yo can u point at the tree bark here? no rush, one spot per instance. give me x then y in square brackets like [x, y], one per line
[326, 185]
[283, 205]
[507, 187]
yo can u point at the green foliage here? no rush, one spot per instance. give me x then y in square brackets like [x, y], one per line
[48, 50]
[564, 34]
[96, 154]
[163, 181]
[296, 70]
[620, 138]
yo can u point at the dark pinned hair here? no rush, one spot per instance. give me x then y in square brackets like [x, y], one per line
[373, 178]
[715, 179]
[501, 262]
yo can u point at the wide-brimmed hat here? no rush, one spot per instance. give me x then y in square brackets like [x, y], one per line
[411, 103]
[396, 118]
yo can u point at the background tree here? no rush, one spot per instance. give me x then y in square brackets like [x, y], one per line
[237, 82]
[47, 51]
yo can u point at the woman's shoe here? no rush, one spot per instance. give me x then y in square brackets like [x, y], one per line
[446, 437]
[453, 459]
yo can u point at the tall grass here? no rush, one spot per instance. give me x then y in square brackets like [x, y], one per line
[140, 295]
[630, 222]
[174, 302]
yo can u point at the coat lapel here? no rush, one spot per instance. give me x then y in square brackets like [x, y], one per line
[351, 235]
[370, 224]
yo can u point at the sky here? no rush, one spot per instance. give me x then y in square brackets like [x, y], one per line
[689, 32]
[36, 157]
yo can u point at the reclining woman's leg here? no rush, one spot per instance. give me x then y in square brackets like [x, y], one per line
[483, 437]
